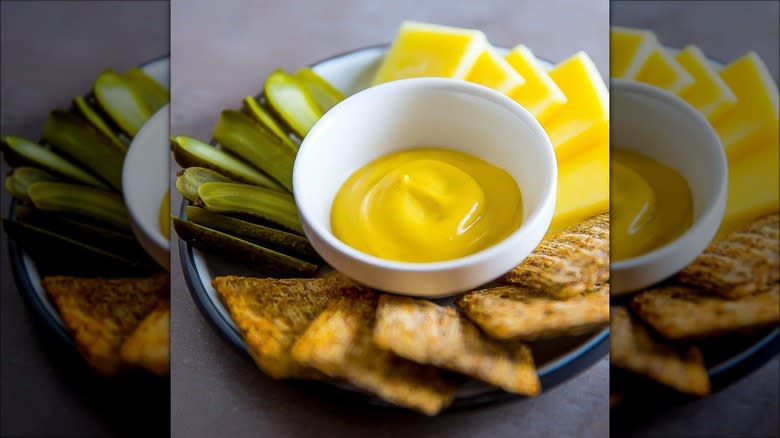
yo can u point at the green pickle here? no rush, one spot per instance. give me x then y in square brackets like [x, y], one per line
[101, 205]
[122, 102]
[191, 152]
[270, 205]
[238, 133]
[325, 95]
[241, 250]
[292, 102]
[267, 120]
[26, 151]
[88, 112]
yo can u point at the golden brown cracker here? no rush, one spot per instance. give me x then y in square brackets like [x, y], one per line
[681, 312]
[424, 332]
[568, 262]
[515, 312]
[632, 347]
[102, 312]
[340, 344]
[740, 263]
[271, 313]
[149, 344]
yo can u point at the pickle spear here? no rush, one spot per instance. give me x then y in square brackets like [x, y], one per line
[241, 135]
[20, 149]
[85, 109]
[269, 205]
[21, 178]
[154, 95]
[102, 205]
[240, 250]
[191, 152]
[73, 136]
[292, 102]
[49, 248]
[189, 179]
[278, 240]
[262, 116]
[121, 101]
[322, 92]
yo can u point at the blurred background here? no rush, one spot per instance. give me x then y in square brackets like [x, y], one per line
[223, 51]
[51, 52]
[724, 31]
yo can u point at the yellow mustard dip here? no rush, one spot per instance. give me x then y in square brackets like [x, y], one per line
[651, 204]
[426, 205]
[165, 215]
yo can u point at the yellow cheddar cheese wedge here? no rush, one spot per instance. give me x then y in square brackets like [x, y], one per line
[493, 71]
[709, 93]
[753, 121]
[662, 71]
[539, 95]
[754, 186]
[584, 120]
[422, 49]
[583, 187]
[629, 49]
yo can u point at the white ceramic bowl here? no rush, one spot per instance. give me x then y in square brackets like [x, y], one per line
[425, 112]
[145, 181]
[662, 126]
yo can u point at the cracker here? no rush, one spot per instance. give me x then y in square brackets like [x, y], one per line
[568, 262]
[102, 312]
[740, 263]
[424, 332]
[340, 344]
[514, 312]
[149, 344]
[681, 312]
[633, 348]
[272, 313]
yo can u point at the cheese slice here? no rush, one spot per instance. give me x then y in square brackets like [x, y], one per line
[493, 71]
[539, 95]
[629, 50]
[422, 49]
[584, 120]
[662, 71]
[753, 121]
[583, 187]
[754, 186]
[709, 93]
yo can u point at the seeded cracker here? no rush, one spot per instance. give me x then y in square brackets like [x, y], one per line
[514, 312]
[149, 345]
[634, 349]
[424, 332]
[740, 263]
[681, 312]
[101, 313]
[272, 314]
[568, 262]
[340, 344]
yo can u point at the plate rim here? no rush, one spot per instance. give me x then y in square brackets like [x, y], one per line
[555, 372]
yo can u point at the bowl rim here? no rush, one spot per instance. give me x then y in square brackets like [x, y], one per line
[618, 85]
[156, 236]
[533, 220]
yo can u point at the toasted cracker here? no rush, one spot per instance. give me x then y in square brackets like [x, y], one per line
[272, 313]
[102, 312]
[681, 312]
[632, 347]
[149, 345]
[515, 312]
[568, 262]
[340, 344]
[741, 263]
[424, 332]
